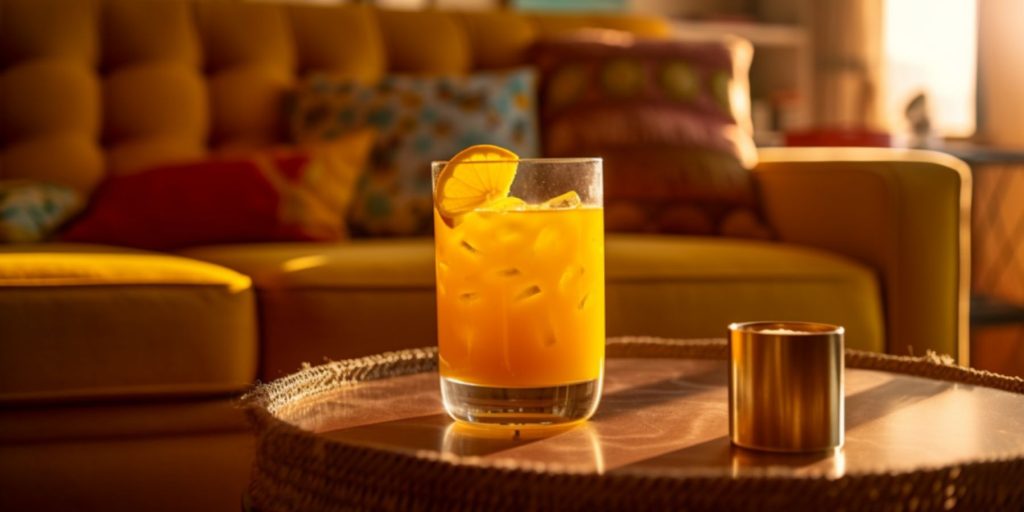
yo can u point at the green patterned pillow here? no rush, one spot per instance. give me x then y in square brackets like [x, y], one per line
[418, 119]
[31, 212]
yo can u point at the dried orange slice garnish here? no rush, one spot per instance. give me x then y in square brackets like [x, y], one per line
[474, 178]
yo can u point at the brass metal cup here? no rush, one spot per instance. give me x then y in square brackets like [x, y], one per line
[786, 386]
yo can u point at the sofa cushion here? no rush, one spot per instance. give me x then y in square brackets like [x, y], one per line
[274, 195]
[497, 39]
[31, 211]
[419, 119]
[427, 42]
[671, 122]
[693, 287]
[90, 88]
[364, 297]
[340, 40]
[81, 321]
[155, 102]
[336, 301]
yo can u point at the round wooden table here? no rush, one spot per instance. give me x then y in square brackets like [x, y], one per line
[371, 434]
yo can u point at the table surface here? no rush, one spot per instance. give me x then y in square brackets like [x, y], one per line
[669, 416]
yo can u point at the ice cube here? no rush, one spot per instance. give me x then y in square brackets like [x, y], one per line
[550, 340]
[547, 240]
[565, 201]
[470, 247]
[510, 203]
[528, 292]
[509, 237]
[570, 276]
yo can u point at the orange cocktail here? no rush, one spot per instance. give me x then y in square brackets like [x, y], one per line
[520, 292]
[520, 297]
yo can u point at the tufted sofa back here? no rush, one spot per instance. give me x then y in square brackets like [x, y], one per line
[89, 87]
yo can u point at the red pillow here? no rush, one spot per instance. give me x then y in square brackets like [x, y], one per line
[295, 195]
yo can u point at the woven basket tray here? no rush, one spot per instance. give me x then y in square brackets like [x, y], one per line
[296, 469]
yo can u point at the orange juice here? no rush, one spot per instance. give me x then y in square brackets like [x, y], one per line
[520, 296]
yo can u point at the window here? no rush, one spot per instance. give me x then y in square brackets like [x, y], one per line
[931, 47]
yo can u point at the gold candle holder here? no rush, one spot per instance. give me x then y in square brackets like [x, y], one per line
[786, 386]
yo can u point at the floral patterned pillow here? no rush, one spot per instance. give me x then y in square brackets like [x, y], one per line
[31, 212]
[418, 119]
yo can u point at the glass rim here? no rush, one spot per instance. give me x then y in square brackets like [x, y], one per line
[556, 160]
[797, 328]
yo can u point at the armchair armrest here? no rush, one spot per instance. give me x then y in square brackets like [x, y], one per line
[905, 213]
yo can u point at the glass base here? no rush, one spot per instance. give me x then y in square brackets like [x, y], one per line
[553, 405]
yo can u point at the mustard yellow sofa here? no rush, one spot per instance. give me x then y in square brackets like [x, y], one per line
[118, 368]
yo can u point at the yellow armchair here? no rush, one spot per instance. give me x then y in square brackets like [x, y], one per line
[903, 213]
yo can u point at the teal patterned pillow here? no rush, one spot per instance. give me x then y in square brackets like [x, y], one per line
[31, 212]
[418, 119]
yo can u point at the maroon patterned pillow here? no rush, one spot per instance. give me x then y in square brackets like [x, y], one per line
[671, 119]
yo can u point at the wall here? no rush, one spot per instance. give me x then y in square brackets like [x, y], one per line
[849, 88]
[1001, 72]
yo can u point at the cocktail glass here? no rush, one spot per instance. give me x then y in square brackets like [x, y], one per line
[520, 298]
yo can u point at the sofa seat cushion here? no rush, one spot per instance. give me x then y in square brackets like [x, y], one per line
[693, 287]
[368, 296]
[81, 321]
[335, 301]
